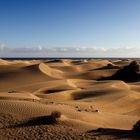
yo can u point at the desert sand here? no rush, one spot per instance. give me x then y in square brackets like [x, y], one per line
[94, 99]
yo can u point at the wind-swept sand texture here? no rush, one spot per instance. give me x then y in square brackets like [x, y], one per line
[95, 98]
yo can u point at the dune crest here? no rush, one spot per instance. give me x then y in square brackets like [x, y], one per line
[51, 71]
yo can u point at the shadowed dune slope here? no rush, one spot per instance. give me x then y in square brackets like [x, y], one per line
[129, 73]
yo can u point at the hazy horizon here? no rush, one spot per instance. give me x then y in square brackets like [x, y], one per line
[69, 28]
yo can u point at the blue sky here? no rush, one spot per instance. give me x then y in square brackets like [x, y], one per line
[70, 28]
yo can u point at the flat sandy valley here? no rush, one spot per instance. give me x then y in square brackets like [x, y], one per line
[69, 99]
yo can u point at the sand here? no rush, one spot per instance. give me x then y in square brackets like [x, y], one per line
[91, 106]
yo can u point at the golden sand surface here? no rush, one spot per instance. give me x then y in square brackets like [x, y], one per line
[31, 90]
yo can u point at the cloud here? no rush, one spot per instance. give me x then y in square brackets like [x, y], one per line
[2, 47]
[40, 51]
[40, 47]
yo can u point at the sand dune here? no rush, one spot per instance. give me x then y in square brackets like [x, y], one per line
[129, 73]
[21, 77]
[31, 90]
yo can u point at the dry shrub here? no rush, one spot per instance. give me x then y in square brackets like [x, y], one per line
[134, 65]
[55, 116]
[136, 127]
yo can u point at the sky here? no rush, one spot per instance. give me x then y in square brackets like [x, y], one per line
[69, 28]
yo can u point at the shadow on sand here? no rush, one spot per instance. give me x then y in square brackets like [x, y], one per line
[41, 120]
[116, 133]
